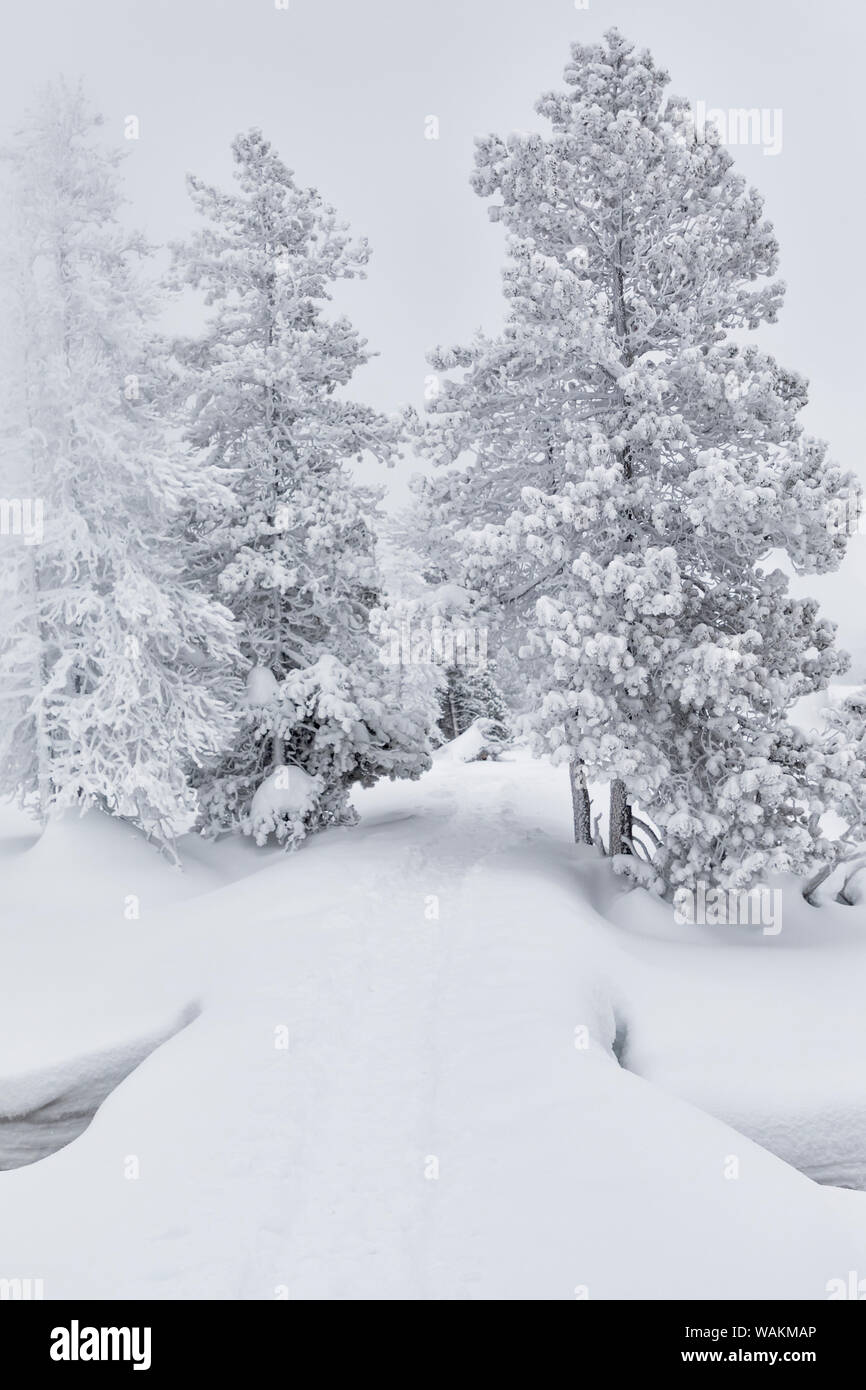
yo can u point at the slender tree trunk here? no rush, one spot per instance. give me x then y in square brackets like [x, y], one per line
[43, 751]
[580, 803]
[620, 811]
[33, 599]
[272, 414]
[278, 744]
[627, 830]
[455, 730]
[620, 818]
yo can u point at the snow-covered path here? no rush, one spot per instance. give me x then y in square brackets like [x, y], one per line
[434, 1127]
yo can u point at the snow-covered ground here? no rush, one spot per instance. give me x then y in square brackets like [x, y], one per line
[387, 1066]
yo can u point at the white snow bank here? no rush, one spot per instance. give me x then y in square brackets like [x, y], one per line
[466, 747]
[42, 1111]
[401, 1083]
[765, 1031]
[287, 794]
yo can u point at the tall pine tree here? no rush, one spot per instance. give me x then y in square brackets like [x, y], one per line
[294, 555]
[633, 468]
[111, 659]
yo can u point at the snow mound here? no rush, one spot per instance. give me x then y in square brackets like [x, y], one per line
[282, 803]
[43, 1111]
[262, 687]
[479, 740]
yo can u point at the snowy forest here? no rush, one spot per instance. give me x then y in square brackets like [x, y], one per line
[445, 818]
[190, 634]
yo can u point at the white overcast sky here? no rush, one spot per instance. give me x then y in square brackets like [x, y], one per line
[343, 87]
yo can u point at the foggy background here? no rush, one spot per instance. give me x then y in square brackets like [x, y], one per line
[343, 90]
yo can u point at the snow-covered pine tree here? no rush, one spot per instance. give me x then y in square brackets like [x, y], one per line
[116, 671]
[294, 555]
[634, 466]
[471, 693]
[844, 748]
[846, 737]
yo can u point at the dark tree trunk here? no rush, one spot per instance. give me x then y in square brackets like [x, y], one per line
[580, 803]
[620, 819]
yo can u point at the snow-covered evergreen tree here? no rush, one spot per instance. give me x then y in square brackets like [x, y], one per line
[846, 736]
[116, 671]
[294, 555]
[634, 466]
[471, 693]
